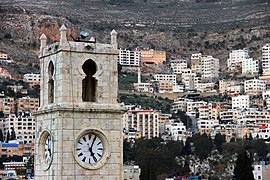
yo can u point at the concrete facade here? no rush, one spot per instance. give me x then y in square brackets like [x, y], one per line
[79, 85]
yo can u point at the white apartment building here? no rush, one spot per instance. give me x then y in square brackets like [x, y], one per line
[254, 86]
[131, 172]
[145, 121]
[209, 67]
[24, 127]
[258, 172]
[204, 112]
[177, 131]
[264, 131]
[207, 125]
[166, 82]
[235, 90]
[189, 79]
[3, 55]
[266, 59]
[254, 116]
[166, 78]
[195, 60]
[266, 97]
[206, 87]
[224, 84]
[236, 58]
[227, 116]
[240, 102]
[178, 65]
[180, 104]
[32, 79]
[250, 66]
[129, 58]
[195, 105]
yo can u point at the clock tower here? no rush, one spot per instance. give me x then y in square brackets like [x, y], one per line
[79, 122]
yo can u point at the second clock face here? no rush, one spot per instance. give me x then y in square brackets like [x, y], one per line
[89, 148]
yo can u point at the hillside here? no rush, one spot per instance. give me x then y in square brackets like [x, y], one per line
[179, 27]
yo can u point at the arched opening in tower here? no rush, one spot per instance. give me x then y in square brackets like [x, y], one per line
[89, 82]
[50, 83]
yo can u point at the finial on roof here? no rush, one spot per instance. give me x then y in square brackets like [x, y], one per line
[43, 42]
[63, 34]
[114, 39]
[113, 32]
[43, 36]
[63, 28]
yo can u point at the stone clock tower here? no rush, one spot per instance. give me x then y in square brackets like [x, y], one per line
[79, 121]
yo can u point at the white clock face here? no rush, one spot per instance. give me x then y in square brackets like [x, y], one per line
[89, 148]
[48, 150]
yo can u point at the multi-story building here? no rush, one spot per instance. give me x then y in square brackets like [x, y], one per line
[206, 87]
[132, 172]
[3, 55]
[129, 58]
[8, 105]
[195, 60]
[180, 104]
[254, 87]
[235, 90]
[27, 104]
[24, 127]
[189, 79]
[240, 102]
[204, 112]
[145, 121]
[254, 116]
[224, 84]
[16, 149]
[228, 116]
[32, 79]
[264, 132]
[153, 57]
[266, 98]
[178, 65]
[195, 105]
[266, 59]
[166, 82]
[207, 126]
[177, 131]
[250, 66]
[209, 68]
[236, 58]
[166, 78]
[4, 58]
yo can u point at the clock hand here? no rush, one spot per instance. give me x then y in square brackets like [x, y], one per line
[91, 147]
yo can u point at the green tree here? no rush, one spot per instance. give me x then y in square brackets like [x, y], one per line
[154, 157]
[218, 141]
[128, 151]
[8, 137]
[12, 134]
[243, 168]
[203, 145]
[187, 148]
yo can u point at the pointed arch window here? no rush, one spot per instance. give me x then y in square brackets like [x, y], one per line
[50, 83]
[89, 83]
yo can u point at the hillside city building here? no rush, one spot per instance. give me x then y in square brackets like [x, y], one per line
[129, 58]
[266, 59]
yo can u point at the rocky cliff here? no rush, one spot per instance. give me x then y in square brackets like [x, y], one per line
[179, 27]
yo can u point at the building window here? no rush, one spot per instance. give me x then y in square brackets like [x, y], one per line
[89, 83]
